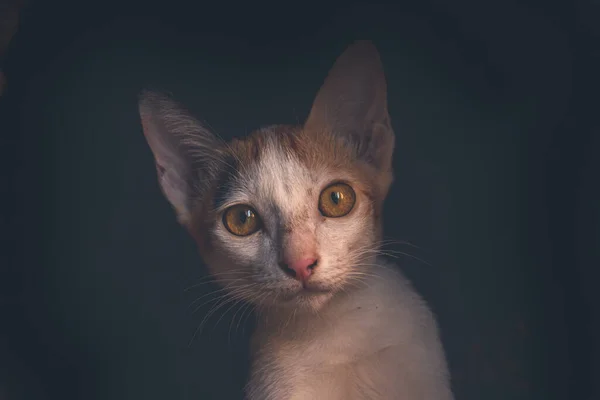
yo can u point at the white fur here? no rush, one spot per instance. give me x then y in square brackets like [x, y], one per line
[377, 342]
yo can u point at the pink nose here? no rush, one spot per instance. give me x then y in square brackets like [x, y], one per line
[300, 269]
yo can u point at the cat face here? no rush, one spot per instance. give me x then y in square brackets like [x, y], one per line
[292, 221]
[287, 216]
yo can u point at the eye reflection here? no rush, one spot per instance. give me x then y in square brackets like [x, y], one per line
[336, 197]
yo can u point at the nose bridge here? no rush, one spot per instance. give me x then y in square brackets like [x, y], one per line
[287, 192]
[297, 242]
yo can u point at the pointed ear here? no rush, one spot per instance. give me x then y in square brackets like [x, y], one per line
[184, 151]
[352, 103]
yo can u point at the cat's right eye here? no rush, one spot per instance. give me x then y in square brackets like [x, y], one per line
[241, 220]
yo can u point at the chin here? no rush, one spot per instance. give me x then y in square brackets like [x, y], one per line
[307, 301]
[316, 301]
[300, 300]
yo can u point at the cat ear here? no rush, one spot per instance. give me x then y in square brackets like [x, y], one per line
[184, 150]
[352, 103]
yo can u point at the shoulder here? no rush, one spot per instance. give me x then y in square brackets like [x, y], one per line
[391, 290]
[390, 285]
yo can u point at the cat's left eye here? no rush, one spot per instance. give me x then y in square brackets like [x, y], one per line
[337, 200]
[241, 220]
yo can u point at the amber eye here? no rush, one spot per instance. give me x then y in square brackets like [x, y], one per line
[337, 200]
[241, 220]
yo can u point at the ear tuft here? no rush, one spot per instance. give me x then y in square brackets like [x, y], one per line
[185, 152]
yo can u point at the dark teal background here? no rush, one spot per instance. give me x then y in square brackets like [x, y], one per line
[496, 165]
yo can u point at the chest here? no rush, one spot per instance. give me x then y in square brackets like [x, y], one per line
[297, 374]
[342, 361]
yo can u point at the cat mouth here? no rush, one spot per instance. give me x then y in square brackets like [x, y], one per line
[315, 290]
[311, 291]
[306, 291]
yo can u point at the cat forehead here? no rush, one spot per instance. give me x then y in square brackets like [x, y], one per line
[280, 165]
[270, 168]
[284, 166]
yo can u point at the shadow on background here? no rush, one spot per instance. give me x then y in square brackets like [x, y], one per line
[495, 111]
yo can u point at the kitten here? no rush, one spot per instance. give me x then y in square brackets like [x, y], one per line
[289, 219]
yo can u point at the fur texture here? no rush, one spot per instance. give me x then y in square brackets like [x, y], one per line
[355, 329]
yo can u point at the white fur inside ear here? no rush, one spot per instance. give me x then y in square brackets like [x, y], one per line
[176, 191]
[184, 151]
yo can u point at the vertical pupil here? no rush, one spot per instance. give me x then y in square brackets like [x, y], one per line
[245, 215]
[336, 197]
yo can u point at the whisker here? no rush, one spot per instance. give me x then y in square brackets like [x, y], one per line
[228, 292]
[215, 282]
[389, 253]
[246, 306]
[390, 240]
[223, 289]
[232, 296]
[235, 303]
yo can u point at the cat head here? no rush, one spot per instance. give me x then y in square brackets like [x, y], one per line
[288, 215]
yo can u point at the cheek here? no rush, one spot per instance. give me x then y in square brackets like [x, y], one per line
[243, 251]
[338, 238]
[254, 255]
